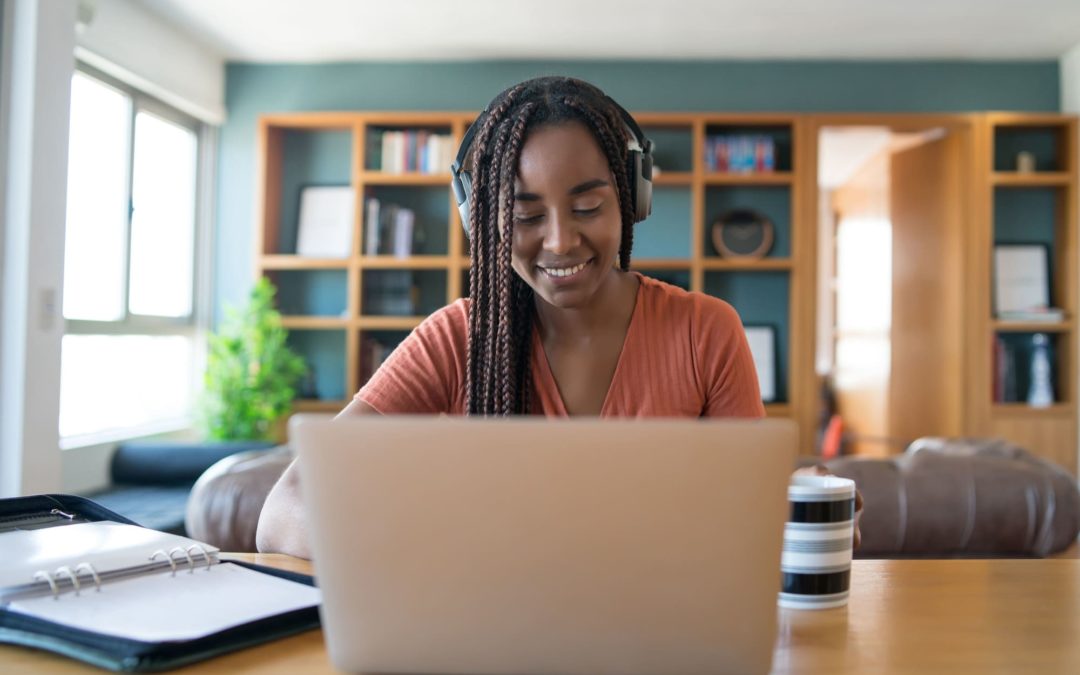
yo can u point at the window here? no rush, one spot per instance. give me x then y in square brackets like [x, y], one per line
[128, 358]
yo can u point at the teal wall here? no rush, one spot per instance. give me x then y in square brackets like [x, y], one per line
[735, 86]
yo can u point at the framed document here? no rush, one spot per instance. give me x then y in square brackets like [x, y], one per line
[762, 341]
[1021, 278]
[325, 223]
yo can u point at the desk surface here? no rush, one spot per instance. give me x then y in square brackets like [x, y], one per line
[904, 616]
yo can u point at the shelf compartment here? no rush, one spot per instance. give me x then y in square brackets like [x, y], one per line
[431, 214]
[1016, 353]
[308, 158]
[780, 134]
[673, 147]
[412, 159]
[324, 353]
[666, 232]
[314, 292]
[1046, 143]
[403, 292]
[375, 347]
[761, 299]
[772, 201]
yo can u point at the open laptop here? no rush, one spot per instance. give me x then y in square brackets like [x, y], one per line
[456, 545]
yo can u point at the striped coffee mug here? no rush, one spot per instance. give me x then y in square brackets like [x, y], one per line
[816, 563]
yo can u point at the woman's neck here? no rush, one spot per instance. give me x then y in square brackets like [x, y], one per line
[611, 307]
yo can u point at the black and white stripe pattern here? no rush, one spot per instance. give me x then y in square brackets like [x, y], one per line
[816, 562]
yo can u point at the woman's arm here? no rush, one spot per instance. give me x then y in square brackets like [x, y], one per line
[283, 522]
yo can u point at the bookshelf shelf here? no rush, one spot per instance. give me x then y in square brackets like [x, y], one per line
[389, 322]
[1037, 179]
[734, 265]
[660, 264]
[1025, 410]
[415, 262]
[295, 262]
[1031, 327]
[773, 178]
[404, 178]
[318, 405]
[314, 322]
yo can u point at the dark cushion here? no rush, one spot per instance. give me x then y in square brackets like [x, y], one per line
[226, 501]
[974, 497]
[171, 463]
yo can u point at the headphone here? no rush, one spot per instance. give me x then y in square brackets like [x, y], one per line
[639, 167]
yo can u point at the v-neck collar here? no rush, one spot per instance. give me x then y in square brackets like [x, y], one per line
[547, 377]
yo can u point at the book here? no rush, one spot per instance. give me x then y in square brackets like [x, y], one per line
[125, 597]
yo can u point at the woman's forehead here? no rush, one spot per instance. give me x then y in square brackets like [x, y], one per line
[563, 153]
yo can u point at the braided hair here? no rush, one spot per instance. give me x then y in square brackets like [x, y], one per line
[498, 375]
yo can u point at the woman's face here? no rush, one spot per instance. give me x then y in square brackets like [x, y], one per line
[567, 222]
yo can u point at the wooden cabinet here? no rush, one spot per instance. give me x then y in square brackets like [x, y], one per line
[1031, 206]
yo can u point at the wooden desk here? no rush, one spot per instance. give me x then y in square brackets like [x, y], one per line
[904, 616]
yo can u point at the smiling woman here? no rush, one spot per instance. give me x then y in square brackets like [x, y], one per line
[550, 181]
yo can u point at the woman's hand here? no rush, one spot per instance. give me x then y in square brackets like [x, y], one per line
[820, 470]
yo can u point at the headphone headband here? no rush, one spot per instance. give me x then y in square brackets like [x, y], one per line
[639, 168]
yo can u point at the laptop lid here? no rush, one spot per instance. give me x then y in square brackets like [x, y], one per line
[453, 545]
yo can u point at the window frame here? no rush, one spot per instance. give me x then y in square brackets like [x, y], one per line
[193, 326]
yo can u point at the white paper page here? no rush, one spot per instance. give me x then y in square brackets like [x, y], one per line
[107, 546]
[160, 607]
[325, 222]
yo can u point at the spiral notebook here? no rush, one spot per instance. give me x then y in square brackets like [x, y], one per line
[129, 598]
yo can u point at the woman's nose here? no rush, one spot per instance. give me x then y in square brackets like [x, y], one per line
[561, 234]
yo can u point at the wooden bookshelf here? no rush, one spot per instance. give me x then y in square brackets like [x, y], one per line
[1047, 200]
[339, 148]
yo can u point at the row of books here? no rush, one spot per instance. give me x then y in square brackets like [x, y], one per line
[1022, 373]
[740, 154]
[391, 293]
[416, 152]
[1036, 315]
[390, 229]
[372, 355]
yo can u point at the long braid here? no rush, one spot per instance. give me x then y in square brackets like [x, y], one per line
[499, 379]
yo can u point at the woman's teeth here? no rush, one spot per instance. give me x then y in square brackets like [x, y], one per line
[564, 271]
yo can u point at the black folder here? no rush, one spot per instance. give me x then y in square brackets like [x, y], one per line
[39, 607]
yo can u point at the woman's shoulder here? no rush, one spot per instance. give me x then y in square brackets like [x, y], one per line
[450, 322]
[672, 304]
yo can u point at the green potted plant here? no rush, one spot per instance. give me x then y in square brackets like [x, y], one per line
[251, 374]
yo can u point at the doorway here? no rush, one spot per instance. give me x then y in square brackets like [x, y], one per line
[891, 200]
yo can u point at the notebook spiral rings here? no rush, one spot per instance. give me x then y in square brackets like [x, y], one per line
[73, 575]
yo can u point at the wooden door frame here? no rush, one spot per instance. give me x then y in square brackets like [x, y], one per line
[968, 127]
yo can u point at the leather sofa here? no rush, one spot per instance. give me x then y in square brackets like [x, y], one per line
[940, 498]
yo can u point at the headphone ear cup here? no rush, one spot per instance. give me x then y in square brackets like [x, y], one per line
[463, 193]
[640, 174]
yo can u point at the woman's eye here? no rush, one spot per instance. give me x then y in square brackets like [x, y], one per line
[587, 212]
[526, 219]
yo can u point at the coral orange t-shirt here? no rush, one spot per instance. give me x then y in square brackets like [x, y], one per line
[685, 355]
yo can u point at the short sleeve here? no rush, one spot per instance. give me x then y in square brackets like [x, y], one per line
[727, 371]
[426, 373]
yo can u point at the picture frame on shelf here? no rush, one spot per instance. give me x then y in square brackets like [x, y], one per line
[325, 221]
[762, 340]
[1021, 279]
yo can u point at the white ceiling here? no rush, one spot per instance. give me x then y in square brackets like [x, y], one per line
[348, 30]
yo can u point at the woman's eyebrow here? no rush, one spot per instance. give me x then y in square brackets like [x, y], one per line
[576, 190]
